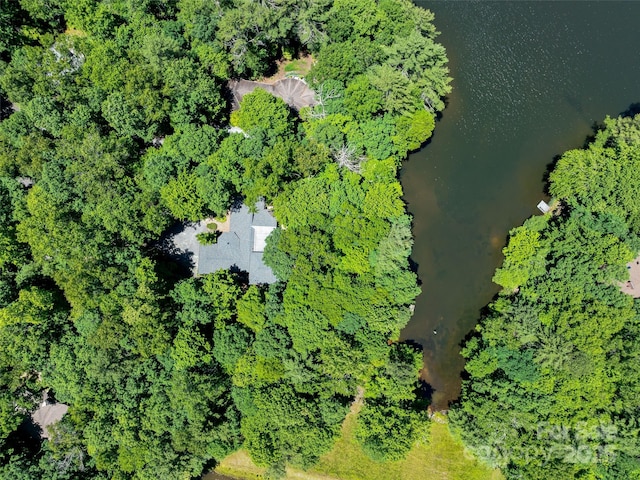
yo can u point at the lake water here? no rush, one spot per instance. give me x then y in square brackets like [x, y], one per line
[530, 80]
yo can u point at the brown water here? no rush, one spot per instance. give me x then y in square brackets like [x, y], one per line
[531, 78]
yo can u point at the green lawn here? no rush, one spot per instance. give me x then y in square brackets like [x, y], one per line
[299, 66]
[440, 457]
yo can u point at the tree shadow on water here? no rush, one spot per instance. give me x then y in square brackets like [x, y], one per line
[446, 100]
[413, 266]
[424, 394]
[547, 172]
[632, 111]
[424, 391]
[483, 313]
[596, 126]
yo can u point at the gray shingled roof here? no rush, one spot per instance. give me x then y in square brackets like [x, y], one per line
[258, 271]
[295, 92]
[263, 217]
[234, 248]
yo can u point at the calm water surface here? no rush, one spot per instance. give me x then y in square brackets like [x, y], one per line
[530, 79]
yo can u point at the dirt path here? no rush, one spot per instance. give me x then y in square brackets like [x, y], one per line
[632, 286]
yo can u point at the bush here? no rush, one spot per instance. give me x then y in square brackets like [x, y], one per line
[208, 238]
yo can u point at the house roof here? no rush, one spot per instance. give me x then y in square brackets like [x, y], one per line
[295, 92]
[242, 246]
[48, 413]
[260, 235]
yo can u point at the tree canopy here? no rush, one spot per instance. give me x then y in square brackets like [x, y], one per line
[117, 125]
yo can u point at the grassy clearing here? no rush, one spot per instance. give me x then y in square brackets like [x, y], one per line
[75, 32]
[439, 457]
[300, 66]
[239, 465]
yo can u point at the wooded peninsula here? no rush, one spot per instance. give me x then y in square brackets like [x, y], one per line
[553, 366]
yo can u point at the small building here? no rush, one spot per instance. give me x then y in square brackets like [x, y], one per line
[242, 246]
[543, 206]
[295, 92]
[48, 413]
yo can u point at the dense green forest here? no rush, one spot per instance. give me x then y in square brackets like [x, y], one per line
[553, 370]
[115, 119]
